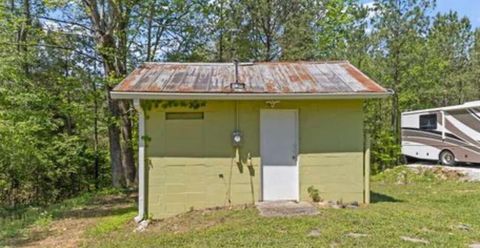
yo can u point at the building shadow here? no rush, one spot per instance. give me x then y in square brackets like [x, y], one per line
[379, 197]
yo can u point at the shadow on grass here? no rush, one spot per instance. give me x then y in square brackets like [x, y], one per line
[101, 207]
[378, 197]
[96, 212]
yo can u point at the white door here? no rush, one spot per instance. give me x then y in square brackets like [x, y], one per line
[279, 149]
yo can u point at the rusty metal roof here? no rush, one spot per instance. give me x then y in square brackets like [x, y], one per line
[265, 78]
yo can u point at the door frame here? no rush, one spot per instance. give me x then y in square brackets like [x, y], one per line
[297, 139]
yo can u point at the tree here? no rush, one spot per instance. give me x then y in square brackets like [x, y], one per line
[47, 150]
[358, 41]
[475, 73]
[449, 43]
[110, 21]
[399, 28]
[60, 59]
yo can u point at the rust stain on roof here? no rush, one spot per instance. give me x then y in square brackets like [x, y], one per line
[266, 77]
[362, 78]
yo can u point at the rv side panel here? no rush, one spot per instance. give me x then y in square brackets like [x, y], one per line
[426, 134]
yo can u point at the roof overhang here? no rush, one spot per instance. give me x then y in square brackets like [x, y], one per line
[245, 96]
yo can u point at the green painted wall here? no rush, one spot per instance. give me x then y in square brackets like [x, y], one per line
[192, 164]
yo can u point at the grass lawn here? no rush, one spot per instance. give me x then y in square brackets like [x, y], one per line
[443, 213]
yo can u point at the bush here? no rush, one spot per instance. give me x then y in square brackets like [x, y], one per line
[314, 194]
[385, 152]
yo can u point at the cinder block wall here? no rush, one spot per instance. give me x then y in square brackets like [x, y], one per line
[192, 164]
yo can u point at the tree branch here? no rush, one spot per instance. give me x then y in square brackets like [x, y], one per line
[66, 22]
[53, 46]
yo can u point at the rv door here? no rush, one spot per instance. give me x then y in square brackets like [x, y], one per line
[443, 125]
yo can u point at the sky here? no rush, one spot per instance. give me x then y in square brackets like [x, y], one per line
[469, 8]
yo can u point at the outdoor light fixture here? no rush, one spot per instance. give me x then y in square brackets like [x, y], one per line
[236, 138]
[272, 103]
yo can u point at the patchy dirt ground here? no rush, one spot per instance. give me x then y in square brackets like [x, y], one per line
[286, 208]
[68, 229]
[196, 220]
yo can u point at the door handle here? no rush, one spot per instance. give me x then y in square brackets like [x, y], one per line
[294, 157]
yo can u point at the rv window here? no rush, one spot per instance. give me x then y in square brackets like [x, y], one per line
[428, 121]
[184, 116]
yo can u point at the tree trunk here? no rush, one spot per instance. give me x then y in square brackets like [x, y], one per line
[268, 47]
[118, 178]
[120, 159]
[111, 37]
[128, 160]
[222, 27]
[96, 166]
[22, 35]
[149, 32]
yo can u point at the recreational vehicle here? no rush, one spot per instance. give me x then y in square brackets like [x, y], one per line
[448, 134]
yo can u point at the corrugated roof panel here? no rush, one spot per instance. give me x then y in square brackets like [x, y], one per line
[150, 79]
[345, 77]
[260, 78]
[292, 82]
[129, 82]
[266, 77]
[225, 76]
[215, 80]
[361, 78]
[173, 78]
[278, 80]
[272, 77]
[306, 78]
[202, 78]
[329, 81]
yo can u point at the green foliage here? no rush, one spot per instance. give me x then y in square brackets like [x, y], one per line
[110, 224]
[44, 219]
[55, 116]
[47, 150]
[425, 60]
[385, 151]
[449, 64]
[164, 104]
[148, 105]
[314, 194]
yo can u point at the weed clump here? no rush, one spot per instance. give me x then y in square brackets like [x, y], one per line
[314, 194]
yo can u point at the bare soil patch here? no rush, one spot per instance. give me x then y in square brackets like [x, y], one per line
[194, 220]
[286, 208]
[67, 229]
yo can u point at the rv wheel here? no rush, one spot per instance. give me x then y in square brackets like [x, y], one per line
[447, 158]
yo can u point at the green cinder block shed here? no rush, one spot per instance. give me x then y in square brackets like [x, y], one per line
[215, 134]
